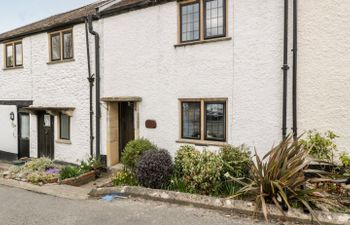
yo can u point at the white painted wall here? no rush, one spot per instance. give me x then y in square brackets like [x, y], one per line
[56, 85]
[8, 129]
[140, 60]
[324, 68]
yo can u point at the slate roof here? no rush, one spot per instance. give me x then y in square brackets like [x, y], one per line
[77, 16]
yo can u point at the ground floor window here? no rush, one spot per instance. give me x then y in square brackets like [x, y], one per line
[64, 127]
[203, 119]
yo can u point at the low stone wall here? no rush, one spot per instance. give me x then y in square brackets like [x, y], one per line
[222, 204]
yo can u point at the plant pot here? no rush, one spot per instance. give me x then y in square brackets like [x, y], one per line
[80, 180]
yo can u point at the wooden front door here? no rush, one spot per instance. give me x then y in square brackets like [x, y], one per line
[126, 124]
[45, 135]
[23, 134]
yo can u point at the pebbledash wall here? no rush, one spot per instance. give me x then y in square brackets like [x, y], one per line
[139, 59]
[51, 85]
[324, 68]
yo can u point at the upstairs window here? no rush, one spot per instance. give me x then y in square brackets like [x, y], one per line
[13, 54]
[202, 19]
[190, 22]
[61, 45]
[214, 18]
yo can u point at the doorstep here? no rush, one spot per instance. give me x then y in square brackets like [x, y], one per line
[221, 204]
[116, 168]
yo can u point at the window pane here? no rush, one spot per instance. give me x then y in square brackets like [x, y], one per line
[67, 45]
[64, 127]
[19, 56]
[9, 55]
[215, 18]
[191, 120]
[215, 121]
[190, 22]
[24, 126]
[55, 47]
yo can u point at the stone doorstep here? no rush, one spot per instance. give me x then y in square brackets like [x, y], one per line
[222, 204]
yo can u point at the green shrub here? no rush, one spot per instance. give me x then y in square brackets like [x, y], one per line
[154, 169]
[184, 157]
[236, 160]
[125, 178]
[40, 177]
[345, 159]
[200, 171]
[40, 164]
[321, 146]
[204, 172]
[69, 172]
[133, 151]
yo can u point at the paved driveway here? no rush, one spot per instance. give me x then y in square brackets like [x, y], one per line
[20, 207]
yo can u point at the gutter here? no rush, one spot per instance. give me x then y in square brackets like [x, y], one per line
[295, 68]
[285, 69]
[98, 91]
[91, 80]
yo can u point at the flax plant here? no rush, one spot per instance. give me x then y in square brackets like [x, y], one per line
[278, 178]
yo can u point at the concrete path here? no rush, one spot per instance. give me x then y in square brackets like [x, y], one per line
[63, 191]
[20, 207]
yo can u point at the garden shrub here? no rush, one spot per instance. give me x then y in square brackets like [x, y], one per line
[200, 172]
[69, 172]
[133, 151]
[154, 169]
[345, 159]
[40, 164]
[125, 177]
[236, 160]
[321, 146]
[204, 172]
[34, 171]
[41, 177]
[183, 158]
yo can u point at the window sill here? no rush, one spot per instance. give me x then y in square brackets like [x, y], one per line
[13, 68]
[60, 61]
[201, 142]
[203, 41]
[61, 141]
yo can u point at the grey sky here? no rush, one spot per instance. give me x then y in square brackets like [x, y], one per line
[16, 13]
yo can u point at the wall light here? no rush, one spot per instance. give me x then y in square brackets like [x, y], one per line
[12, 116]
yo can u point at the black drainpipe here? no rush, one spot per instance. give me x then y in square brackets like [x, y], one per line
[98, 106]
[295, 67]
[285, 69]
[91, 80]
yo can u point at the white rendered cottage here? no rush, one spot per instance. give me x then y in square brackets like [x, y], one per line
[204, 72]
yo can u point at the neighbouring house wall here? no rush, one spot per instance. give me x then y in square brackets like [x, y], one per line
[257, 84]
[139, 59]
[53, 85]
[8, 131]
[324, 68]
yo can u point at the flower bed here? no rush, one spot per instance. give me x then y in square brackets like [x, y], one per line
[80, 180]
[278, 178]
[43, 171]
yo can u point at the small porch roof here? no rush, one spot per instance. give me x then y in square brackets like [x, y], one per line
[122, 99]
[52, 110]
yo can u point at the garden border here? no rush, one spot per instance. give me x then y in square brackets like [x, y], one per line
[221, 204]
